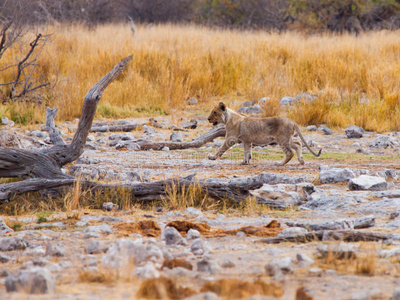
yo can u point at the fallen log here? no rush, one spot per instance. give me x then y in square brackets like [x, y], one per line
[47, 163]
[196, 143]
[113, 128]
[218, 188]
[329, 235]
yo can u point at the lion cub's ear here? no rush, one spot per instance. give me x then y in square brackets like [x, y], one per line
[222, 106]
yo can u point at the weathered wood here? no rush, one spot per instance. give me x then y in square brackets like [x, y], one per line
[47, 163]
[92, 98]
[112, 128]
[196, 143]
[218, 188]
[55, 136]
[340, 235]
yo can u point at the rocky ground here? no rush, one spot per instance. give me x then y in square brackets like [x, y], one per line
[221, 252]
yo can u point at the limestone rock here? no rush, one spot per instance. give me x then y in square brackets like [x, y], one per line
[335, 175]
[367, 183]
[354, 132]
[33, 281]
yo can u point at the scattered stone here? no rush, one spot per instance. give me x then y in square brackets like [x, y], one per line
[104, 228]
[191, 125]
[383, 142]
[242, 110]
[293, 232]
[354, 132]
[335, 175]
[287, 100]
[173, 237]
[255, 109]
[315, 272]
[303, 260]
[227, 264]
[327, 131]
[132, 146]
[165, 148]
[33, 281]
[147, 271]
[208, 266]
[12, 243]
[279, 266]
[95, 247]
[54, 250]
[389, 253]
[396, 294]
[193, 211]
[193, 234]
[176, 137]
[124, 251]
[246, 104]
[192, 101]
[340, 251]
[4, 229]
[4, 258]
[305, 96]
[312, 128]
[367, 295]
[200, 247]
[149, 129]
[109, 206]
[367, 183]
[340, 224]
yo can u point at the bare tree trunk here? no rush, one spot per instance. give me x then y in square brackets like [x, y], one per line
[47, 163]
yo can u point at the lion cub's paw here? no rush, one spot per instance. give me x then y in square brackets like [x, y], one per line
[212, 157]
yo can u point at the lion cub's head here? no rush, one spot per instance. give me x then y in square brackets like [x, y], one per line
[217, 115]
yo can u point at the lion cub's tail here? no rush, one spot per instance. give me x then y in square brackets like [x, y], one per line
[296, 127]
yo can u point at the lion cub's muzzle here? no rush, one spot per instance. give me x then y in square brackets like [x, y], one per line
[215, 123]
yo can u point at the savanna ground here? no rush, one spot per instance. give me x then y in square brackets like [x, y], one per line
[356, 80]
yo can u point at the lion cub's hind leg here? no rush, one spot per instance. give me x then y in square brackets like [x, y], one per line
[296, 145]
[286, 145]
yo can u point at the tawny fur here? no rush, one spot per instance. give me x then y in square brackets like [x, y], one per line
[257, 131]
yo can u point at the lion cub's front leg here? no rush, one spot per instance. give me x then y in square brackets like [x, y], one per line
[247, 153]
[229, 142]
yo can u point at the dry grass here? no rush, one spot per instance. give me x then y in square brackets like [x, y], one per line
[364, 263]
[172, 63]
[191, 196]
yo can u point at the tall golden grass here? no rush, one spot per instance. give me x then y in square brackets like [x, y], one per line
[172, 63]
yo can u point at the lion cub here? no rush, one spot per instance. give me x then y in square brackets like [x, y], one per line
[257, 131]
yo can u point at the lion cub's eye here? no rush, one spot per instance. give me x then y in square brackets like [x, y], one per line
[215, 112]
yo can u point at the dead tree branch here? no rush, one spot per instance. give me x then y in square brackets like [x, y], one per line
[236, 189]
[337, 235]
[47, 163]
[196, 143]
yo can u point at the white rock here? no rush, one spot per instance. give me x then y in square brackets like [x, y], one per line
[173, 237]
[33, 281]
[193, 211]
[200, 247]
[367, 183]
[335, 175]
[193, 234]
[147, 271]
[303, 260]
[54, 250]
